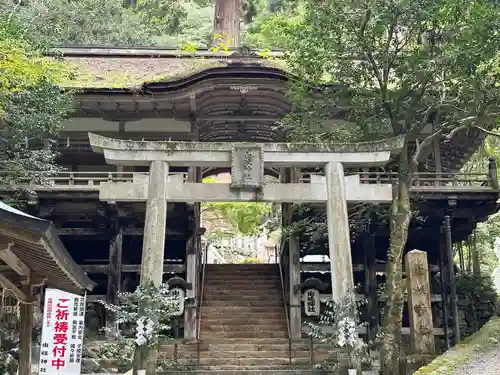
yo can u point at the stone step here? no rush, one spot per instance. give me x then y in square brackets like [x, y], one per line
[232, 272]
[257, 304]
[243, 297]
[239, 275]
[244, 362]
[254, 310]
[255, 340]
[230, 370]
[243, 271]
[250, 346]
[242, 287]
[231, 353]
[234, 293]
[227, 326]
[237, 321]
[242, 281]
[263, 266]
[249, 334]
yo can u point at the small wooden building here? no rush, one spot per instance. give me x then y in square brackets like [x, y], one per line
[33, 257]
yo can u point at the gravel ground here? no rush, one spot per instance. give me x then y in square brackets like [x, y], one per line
[482, 364]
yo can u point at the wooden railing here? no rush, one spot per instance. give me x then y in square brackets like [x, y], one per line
[91, 180]
[422, 181]
[425, 180]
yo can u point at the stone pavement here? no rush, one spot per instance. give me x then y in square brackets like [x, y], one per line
[482, 364]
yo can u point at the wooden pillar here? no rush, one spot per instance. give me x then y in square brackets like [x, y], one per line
[294, 273]
[25, 334]
[295, 295]
[451, 281]
[153, 250]
[492, 173]
[419, 302]
[338, 233]
[444, 294]
[114, 273]
[192, 249]
[437, 161]
[371, 285]
[290, 261]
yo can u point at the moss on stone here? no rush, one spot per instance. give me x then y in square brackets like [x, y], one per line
[456, 357]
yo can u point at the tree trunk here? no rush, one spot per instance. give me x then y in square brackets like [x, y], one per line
[227, 23]
[476, 263]
[461, 256]
[393, 311]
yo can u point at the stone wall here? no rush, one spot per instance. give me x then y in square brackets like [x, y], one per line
[476, 303]
[472, 316]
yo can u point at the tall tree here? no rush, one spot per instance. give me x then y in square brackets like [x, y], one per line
[394, 68]
[32, 107]
[227, 23]
[92, 22]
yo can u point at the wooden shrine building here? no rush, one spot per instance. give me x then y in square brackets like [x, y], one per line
[158, 95]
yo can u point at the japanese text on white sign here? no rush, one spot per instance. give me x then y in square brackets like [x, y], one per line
[62, 333]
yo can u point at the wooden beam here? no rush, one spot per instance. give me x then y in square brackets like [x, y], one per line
[114, 275]
[13, 261]
[106, 232]
[9, 285]
[131, 268]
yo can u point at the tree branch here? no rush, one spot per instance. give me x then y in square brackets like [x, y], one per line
[423, 147]
[489, 132]
[466, 124]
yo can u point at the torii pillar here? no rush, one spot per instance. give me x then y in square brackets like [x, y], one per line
[247, 161]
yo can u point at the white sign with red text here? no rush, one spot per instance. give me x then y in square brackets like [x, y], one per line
[62, 333]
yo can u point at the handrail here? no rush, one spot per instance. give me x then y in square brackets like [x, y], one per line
[286, 309]
[202, 284]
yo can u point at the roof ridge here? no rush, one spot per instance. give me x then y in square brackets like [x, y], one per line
[156, 52]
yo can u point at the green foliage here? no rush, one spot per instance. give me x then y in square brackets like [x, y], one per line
[272, 30]
[478, 288]
[195, 29]
[338, 325]
[161, 16]
[244, 218]
[147, 302]
[120, 351]
[32, 107]
[389, 68]
[250, 261]
[88, 22]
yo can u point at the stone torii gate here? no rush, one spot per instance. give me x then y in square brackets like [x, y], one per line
[247, 162]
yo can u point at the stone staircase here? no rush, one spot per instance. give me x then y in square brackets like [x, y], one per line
[243, 321]
[243, 324]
